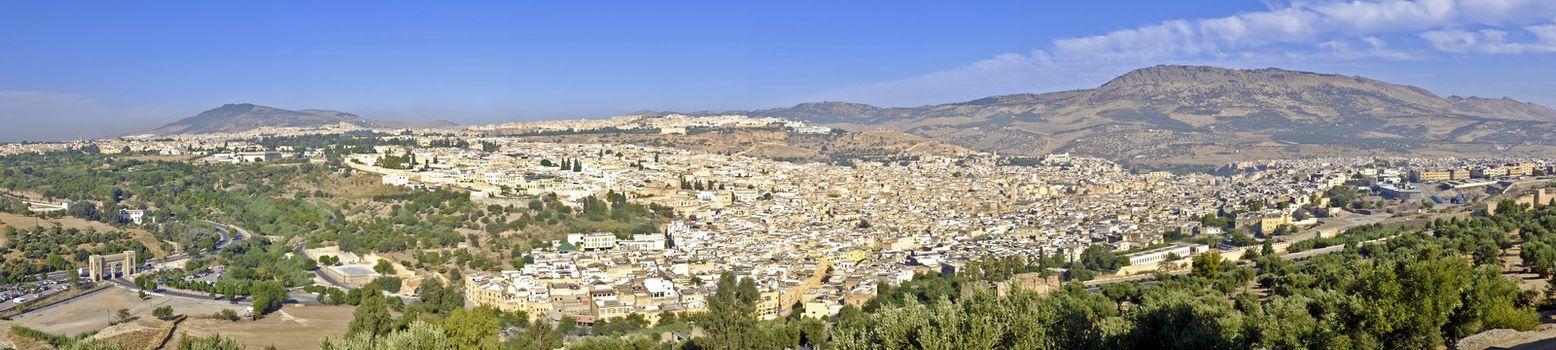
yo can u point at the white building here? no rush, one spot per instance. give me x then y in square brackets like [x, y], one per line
[659, 288]
[397, 179]
[128, 215]
[592, 241]
[1181, 250]
[652, 242]
[746, 195]
[254, 157]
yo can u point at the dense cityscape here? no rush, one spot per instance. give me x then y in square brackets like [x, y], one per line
[857, 175]
[660, 230]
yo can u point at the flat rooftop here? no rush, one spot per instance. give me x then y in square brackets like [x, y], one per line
[354, 270]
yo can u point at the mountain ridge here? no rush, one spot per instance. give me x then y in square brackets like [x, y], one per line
[1176, 113]
[239, 117]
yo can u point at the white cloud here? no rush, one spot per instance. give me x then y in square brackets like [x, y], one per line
[1301, 23]
[1493, 41]
[1295, 32]
[1367, 47]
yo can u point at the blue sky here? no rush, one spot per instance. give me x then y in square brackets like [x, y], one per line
[85, 69]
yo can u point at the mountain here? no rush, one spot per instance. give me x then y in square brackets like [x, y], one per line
[1198, 114]
[241, 117]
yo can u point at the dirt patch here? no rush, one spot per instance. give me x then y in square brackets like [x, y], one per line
[1539, 338]
[143, 333]
[361, 186]
[1513, 268]
[96, 311]
[25, 343]
[293, 327]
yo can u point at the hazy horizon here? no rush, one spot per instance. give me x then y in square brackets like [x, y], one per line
[139, 67]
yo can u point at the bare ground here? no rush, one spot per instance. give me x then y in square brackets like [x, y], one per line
[144, 333]
[293, 327]
[95, 312]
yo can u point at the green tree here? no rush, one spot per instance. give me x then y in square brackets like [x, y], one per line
[1207, 265]
[209, 342]
[637, 342]
[731, 317]
[418, 335]
[92, 344]
[162, 312]
[1101, 258]
[440, 300]
[1184, 319]
[387, 283]
[267, 296]
[623, 325]
[472, 329]
[384, 267]
[371, 317]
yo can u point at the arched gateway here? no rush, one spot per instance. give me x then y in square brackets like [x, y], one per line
[105, 267]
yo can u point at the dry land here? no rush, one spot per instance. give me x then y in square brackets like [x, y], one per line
[1543, 337]
[95, 312]
[294, 327]
[143, 333]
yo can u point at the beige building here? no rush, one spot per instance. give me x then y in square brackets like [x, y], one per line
[509, 292]
[1423, 175]
[1268, 223]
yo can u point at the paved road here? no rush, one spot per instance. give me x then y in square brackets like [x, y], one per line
[227, 237]
[221, 230]
[33, 204]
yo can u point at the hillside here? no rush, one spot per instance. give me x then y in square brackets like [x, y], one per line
[241, 117]
[1196, 114]
[780, 144]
